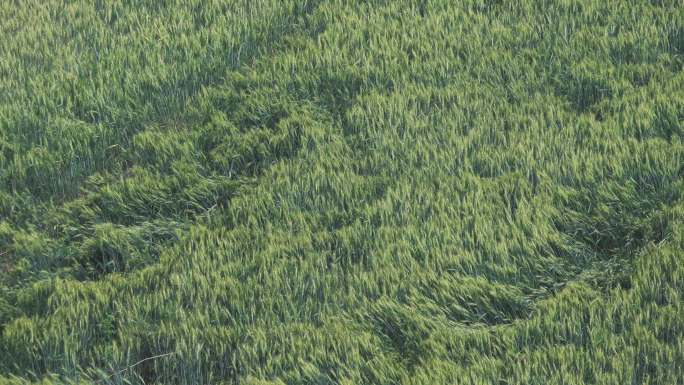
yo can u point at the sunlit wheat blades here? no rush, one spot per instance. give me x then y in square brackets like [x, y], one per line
[406, 192]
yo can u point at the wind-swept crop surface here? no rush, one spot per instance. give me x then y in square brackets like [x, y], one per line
[270, 192]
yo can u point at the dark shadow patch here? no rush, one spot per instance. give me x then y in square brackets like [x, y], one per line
[405, 332]
[122, 249]
[608, 227]
[583, 92]
[675, 41]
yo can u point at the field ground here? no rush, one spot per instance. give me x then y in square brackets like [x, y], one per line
[270, 192]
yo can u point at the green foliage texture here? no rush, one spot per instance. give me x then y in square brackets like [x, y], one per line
[341, 192]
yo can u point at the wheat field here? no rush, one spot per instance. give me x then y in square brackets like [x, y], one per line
[268, 192]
